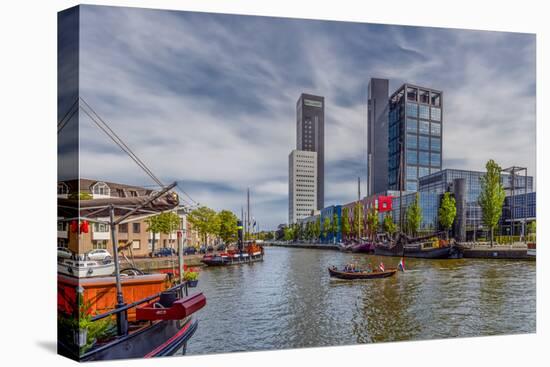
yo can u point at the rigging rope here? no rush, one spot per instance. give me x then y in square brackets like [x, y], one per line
[103, 126]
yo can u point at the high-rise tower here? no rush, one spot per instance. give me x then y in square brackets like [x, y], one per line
[377, 136]
[310, 136]
[415, 130]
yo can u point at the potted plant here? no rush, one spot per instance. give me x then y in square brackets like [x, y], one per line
[191, 277]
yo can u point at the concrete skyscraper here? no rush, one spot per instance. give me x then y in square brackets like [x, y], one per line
[310, 136]
[377, 136]
[302, 184]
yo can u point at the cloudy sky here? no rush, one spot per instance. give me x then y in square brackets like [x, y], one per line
[209, 99]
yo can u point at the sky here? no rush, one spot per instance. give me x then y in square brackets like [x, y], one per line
[209, 100]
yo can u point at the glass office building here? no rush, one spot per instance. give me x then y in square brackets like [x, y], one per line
[518, 209]
[440, 182]
[429, 203]
[415, 130]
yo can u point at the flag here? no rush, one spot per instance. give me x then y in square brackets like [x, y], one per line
[384, 203]
[401, 265]
[381, 267]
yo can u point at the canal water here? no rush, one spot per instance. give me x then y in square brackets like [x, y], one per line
[289, 301]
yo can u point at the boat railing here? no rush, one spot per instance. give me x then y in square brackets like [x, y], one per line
[177, 287]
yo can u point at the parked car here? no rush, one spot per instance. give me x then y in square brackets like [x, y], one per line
[210, 249]
[220, 247]
[163, 251]
[99, 255]
[189, 250]
[64, 253]
[202, 249]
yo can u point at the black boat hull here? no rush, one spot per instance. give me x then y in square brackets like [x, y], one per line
[160, 339]
[435, 253]
[226, 261]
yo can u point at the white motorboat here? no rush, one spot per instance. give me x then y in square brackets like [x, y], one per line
[85, 268]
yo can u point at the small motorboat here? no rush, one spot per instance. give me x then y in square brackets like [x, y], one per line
[85, 268]
[360, 274]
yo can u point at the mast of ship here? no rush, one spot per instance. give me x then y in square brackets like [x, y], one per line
[247, 234]
[400, 173]
[359, 206]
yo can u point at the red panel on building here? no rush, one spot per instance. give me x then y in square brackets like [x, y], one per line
[384, 203]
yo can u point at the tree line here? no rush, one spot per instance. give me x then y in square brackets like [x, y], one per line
[206, 221]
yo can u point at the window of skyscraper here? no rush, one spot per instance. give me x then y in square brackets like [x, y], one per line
[436, 129]
[423, 171]
[436, 114]
[436, 159]
[424, 158]
[411, 173]
[436, 144]
[411, 186]
[412, 94]
[411, 156]
[424, 142]
[412, 110]
[411, 125]
[411, 140]
[423, 127]
[424, 112]
[424, 96]
[436, 99]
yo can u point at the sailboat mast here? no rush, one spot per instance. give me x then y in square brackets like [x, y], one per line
[400, 173]
[360, 224]
[248, 211]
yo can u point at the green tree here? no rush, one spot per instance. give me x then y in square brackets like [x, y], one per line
[491, 198]
[228, 226]
[327, 228]
[372, 221]
[165, 223]
[414, 216]
[357, 219]
[289, 233]
[532, 229]
[447, 212]
[297, 231]
[335, 228]
[389, 226]
[309, 231]
[205, 221]
[316, 229]
[345, 223]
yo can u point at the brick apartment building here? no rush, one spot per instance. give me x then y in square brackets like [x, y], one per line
[132, 235]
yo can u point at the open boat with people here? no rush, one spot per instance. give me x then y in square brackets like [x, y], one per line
[360, 274]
